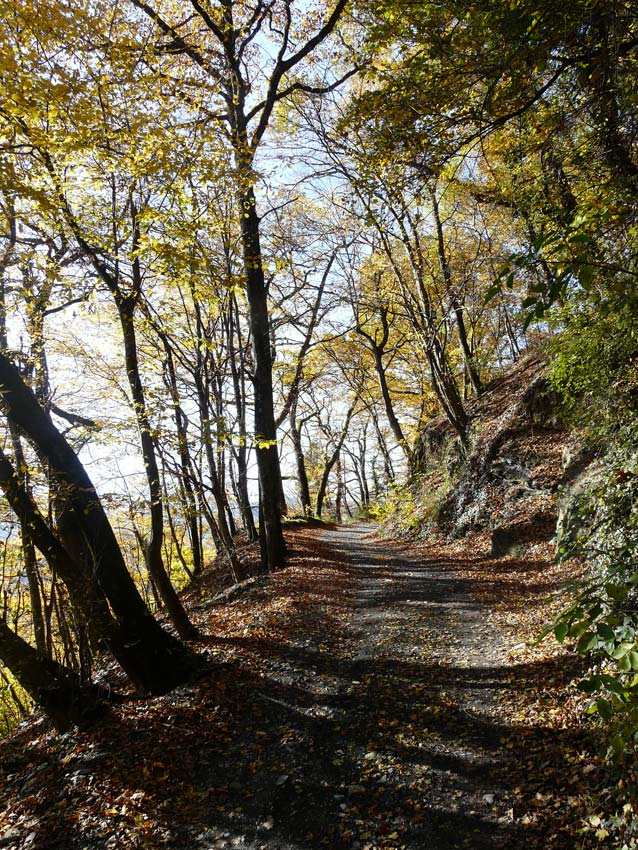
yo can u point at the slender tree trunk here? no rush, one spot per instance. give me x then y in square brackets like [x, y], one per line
[241, 452]
[65, 700]
[387, 402]
[363, 467]
[177, 543]
[330, 462]
[466, 348]
[378, 348]
[387, 459]
[265, 432]
[339, 496]
[445, 387]
[225, 539]
[29, 556]
[154, 543]
[186, 466]
[28, 551]
[302, 475]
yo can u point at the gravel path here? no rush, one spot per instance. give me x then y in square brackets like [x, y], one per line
[422, 637]
[385, 735]
[354, 702]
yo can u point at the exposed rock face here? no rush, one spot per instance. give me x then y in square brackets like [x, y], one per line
[508, 480]
[582, 474]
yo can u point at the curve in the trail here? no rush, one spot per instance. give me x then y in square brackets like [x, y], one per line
[377, 729]
[427, 664]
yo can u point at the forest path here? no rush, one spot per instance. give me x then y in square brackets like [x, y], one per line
[361, 699]
[421, 670]
[383, 703]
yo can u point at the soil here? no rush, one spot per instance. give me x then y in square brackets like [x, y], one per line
[372, 695]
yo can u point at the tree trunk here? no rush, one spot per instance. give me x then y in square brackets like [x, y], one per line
[154, 660]
[274, 545]
[28, 552]
[224, 537]
[387, 460]
[57, 689]
[240, 452]
[186, 466]
[378, 348]
[330, 462]
[153, 546]
[302, 475]
[29, 556]
[468, 354]
[387, 402]
[340, 490]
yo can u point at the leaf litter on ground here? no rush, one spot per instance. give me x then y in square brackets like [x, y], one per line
[375, 695]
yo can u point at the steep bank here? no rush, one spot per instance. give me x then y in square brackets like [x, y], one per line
[512, 481]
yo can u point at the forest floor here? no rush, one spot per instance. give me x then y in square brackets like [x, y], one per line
[375, 694]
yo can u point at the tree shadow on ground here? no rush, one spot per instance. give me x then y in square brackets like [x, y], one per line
[272, 765]
[320, 737]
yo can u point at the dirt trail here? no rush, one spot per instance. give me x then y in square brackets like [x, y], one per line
[386, 734]
[354, 703]
[421, 638]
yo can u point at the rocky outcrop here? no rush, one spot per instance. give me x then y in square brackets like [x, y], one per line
[583, 472]
[512, 469]
[521, 456]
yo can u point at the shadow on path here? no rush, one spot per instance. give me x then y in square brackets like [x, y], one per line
[362, 713]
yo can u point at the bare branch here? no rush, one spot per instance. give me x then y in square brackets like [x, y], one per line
[177, 43]
[307, 89]
[283, 66]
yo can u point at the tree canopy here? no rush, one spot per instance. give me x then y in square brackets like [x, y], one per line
[249, 251]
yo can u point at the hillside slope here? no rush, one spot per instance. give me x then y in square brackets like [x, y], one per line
[521, 457]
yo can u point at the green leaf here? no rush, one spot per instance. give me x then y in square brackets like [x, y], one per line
[622, 649]
[586, 276]
[580, 238]
[586, 642]
[624, 664]
[617, 745]
[577, 628]
[611, 683]
[492, 292]
[589, 686]
[617, 592]
[604, 708]
[605, 632]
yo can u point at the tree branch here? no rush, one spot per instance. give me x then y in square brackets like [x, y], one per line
[283, 66]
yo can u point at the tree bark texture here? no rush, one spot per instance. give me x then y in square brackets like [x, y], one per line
[154, 660]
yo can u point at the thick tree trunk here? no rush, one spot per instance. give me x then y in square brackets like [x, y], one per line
[30, 561]
[154, 660]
